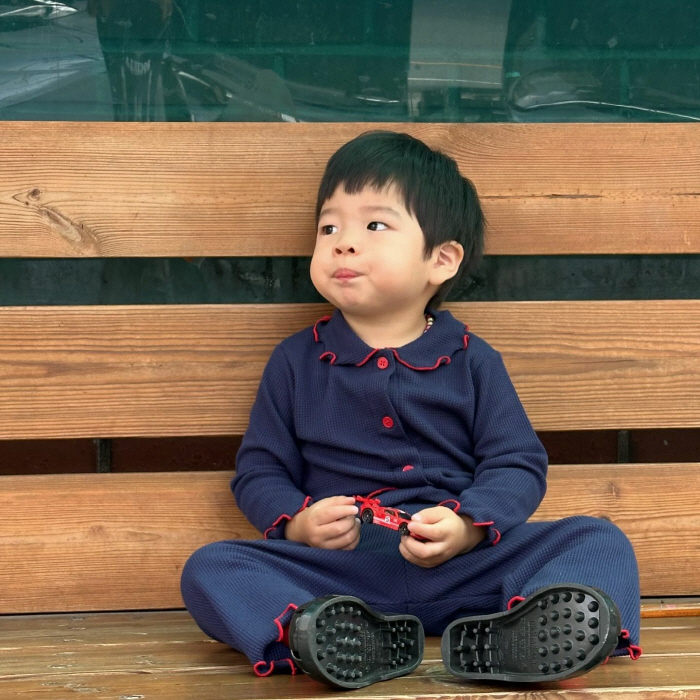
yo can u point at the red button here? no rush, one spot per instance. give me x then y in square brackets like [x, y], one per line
[382, 363]
[407, 468]
[387, 422]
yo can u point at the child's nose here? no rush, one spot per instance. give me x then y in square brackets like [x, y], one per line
[345, 243]
[343, 248]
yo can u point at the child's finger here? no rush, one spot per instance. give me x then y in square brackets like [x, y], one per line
[428, 530]
[347, 540]
[337, 501]
[334, 513]
[339, 527]
[430, 515]
[425, 555]
[421, 550]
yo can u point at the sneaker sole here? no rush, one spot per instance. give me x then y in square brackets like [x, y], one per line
[341, 641]
[558, 632]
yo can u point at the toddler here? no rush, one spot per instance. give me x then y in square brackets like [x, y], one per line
[390, 397]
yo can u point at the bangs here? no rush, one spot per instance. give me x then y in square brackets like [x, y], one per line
[378, 163]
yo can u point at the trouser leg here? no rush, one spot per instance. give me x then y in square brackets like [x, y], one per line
[243, 593]
[584, 550]
[593, 552]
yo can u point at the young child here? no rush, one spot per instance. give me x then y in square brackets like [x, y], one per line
[391, 397]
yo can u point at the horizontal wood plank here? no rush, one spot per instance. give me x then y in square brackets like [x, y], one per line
[164, 655]
[671, 607]
[71, 372]
[72, 189]
[119, 541]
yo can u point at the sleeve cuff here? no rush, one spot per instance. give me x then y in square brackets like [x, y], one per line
[276, 530]
[493, 535]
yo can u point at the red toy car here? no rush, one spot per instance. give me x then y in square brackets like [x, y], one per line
[372, 511]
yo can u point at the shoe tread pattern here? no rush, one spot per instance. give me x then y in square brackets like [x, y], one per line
[558, 632]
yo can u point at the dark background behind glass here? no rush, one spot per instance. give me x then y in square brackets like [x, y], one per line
[369, 60]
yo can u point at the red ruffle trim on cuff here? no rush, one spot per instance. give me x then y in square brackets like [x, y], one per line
[265, 668]
[261, 671]
[451, 500]
[283, 631]
[514, 601]
[284, 516]
[457, 505]
[634, 651]
[497, 535]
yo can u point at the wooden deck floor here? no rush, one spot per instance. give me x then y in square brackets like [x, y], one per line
[163, 655]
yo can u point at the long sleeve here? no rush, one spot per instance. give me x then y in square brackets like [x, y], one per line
[511, 463]
[269, 464]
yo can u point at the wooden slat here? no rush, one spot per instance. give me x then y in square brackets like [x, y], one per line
[644, 500]
[119, 541]
[128, 189]
[107, 541]
[176, 626]
[193, 370]
[165, 656]
[671, 607]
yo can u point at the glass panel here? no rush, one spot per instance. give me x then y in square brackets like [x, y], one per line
[368, 60]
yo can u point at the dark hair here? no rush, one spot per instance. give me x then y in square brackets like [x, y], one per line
[443, 201]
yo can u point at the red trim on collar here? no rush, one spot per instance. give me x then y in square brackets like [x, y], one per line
[284, 516]
[262, 674]
[320, 320]
[330, 354]
[435, 366]
[359, 364]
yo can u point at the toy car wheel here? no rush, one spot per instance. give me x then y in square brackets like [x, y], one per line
[403, 529]
[367, 516]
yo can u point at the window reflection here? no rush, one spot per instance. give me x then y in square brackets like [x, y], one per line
[370, 60]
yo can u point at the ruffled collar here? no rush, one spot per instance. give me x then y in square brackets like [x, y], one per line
[340, 345]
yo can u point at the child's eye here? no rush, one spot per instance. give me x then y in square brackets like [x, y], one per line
[328, 229]
[376, 226]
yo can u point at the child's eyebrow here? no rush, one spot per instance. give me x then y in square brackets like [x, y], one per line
[327, 210]
[367, 209]
[380, 210]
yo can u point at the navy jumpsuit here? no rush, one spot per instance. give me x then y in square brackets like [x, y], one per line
[434, 422]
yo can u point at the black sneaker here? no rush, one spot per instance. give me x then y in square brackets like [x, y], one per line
[340, 641]
[557, 632]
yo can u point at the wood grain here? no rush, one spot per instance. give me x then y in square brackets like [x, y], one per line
[164, 655]
[108, 541]
[70, 189]
[130, 371]
[118, 541]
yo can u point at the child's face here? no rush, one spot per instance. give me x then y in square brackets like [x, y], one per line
[369, 257]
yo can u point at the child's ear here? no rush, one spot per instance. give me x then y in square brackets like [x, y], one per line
[448, 258]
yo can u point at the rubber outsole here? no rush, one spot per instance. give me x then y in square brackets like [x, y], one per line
[558, 632]
[341, 641]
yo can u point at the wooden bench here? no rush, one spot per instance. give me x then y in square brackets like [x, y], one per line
[89, 594]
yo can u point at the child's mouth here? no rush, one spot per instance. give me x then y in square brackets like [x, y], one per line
[345, 274]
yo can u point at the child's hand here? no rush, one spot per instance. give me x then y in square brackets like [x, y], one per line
[327, 524]
[450, 534]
